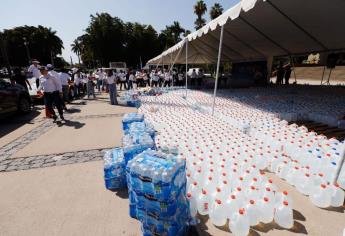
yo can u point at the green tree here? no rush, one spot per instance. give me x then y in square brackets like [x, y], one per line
[77, 47]
[109, 39]
[200, 9]
[42, 43]
[216, 11]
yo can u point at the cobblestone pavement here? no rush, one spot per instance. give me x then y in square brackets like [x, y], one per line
[14, 164]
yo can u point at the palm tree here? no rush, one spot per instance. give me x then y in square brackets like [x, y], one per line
[176, 31]
[200, 9]
[77, 48]
[216, 11]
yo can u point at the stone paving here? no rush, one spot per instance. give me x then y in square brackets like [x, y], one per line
[8, 164]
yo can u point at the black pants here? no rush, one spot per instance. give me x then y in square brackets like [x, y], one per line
[53, 99]
[37, 82]
[124, 83]
[130, 85]
[166, 83]
[155, 84]
[199, 83]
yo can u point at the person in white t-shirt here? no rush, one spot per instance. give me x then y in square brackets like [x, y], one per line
[111, 81]
[167, 78]
[64, 78]
[100, 74]
[35, 71]
[76, 84]
[131, 80]
[122, 77]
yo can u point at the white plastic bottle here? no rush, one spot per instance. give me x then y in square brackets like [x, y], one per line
[218, 214]
[284, 216]
[337, 198]
[203, 203]
[231, 206]
[252, 212]
[239, 224]
[266, 209]
[192, 204]
[321, 196]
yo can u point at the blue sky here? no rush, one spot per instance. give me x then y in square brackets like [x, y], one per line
[70, 17]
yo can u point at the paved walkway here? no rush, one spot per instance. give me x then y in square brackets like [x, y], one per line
[69, 197]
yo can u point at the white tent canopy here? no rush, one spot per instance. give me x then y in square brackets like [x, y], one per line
[260, 29]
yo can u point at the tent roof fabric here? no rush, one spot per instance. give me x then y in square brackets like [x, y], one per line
[258, 29]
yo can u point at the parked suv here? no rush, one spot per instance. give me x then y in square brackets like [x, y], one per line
[13, 98]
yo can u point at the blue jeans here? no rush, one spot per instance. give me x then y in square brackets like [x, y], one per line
[112, 93]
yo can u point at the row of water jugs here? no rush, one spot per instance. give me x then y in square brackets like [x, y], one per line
[314, 165]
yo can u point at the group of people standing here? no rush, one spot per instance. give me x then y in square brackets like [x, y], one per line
[283, 72]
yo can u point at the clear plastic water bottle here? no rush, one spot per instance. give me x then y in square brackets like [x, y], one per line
[321, 196]
[284, 216]
[239, 224]
[203, 203]
[266, 208]
[192, 204]
[252, 212]
[338, 195]
[217, 213]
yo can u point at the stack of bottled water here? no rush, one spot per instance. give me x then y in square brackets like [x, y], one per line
[130, 118]
[141, 127]
[157, 187]
[114, 169]
[135, 143]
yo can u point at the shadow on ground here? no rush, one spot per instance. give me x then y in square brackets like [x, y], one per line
[16, 120]
[70, 123]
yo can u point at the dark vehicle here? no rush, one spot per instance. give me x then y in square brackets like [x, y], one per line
[13, 98]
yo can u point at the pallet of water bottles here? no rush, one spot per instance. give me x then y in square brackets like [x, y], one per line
[157, 187]
[130, 98]
[139, 136]
[114, 169]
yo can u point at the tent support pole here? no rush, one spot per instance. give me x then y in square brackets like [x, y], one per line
[293, 66]
[186, 66]
[323, 74]
[218, 64]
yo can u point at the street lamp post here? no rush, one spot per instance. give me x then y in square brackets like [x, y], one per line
[26, 43]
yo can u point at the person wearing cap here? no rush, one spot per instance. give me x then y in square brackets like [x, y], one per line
[52, 88]
[53, 73]
[34, 70]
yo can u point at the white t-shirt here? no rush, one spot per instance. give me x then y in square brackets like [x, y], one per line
[50, 84]
[35, 71]
[166, 76]
[64, 77]
[100, 75]
[131, 77]
[122, 76]
[111, 79]
[76, 79]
